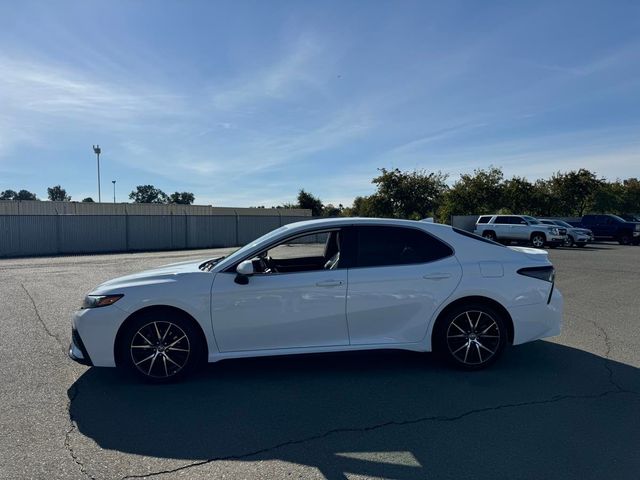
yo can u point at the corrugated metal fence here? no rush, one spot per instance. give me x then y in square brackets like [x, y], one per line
[26, 235]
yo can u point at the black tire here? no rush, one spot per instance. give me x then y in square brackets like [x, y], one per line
[625, 239]
[470, 336]
[569, 241]
[160, 346]
[538, 240]
[490, 236]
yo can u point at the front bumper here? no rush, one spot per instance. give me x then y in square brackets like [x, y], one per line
[556, 239]
[77, 351]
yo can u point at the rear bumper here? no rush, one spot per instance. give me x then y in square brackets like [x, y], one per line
[541, 320]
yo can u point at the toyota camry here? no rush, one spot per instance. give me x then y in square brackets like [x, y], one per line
[324, 286]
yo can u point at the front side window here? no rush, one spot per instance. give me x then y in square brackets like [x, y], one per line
[304, 253]
[379, 246]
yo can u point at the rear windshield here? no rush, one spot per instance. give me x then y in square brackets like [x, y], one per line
[476, 237]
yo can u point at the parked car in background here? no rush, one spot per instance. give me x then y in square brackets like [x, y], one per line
[576, 236]
[416, 286]
[521, 229]
[630, 218]
[611, 227]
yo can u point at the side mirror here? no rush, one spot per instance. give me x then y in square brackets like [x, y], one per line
[244, 270]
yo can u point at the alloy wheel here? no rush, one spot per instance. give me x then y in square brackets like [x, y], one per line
[568, 241]
[537, 241]
[160, 349]
[473, 337]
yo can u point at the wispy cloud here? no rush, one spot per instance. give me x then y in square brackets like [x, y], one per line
[296, 70]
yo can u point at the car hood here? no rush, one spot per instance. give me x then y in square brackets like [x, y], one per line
[580, 230]
[164, 273]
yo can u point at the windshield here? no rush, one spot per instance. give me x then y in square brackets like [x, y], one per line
[241, 251]
[562, 223]
[533, 221]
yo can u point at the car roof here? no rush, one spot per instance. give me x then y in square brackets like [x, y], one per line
[346, 221]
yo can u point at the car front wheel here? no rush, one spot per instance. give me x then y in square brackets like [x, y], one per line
[568, 242]
[625, 239]
[160, 347]
[537, 240]
[471, 336]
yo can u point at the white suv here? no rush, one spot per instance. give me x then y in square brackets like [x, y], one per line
[520, 228]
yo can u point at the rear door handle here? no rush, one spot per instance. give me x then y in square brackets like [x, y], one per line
[329, 283]
[437, 276]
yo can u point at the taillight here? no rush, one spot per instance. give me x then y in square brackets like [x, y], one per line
[541, 273]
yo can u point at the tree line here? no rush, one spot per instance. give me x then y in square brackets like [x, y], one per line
[419, 194]
[142, 194]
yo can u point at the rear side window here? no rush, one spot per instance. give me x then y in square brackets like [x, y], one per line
[384, 246]
[484, 219]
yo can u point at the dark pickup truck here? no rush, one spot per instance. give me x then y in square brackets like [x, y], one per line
[611, 227]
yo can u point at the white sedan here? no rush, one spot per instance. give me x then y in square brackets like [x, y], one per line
[324, 286]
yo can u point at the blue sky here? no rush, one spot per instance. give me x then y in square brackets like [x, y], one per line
[243, 103]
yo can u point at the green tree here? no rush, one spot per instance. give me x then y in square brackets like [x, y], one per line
[477, 193]
[148, 194]
[8, 195]
[25, 195]
[332, 211]
[609, 198]
[575, 191]
[631, 196]
[543, 203]
[413, 195]
[87, 200]
[517, 195]
[307, 200]
[58, 194]
[182, 198]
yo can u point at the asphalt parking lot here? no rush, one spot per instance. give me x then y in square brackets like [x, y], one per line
[564, 408]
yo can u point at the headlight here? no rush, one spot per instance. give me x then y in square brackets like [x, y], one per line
[637, 226]
[555, 231]
[95, 301]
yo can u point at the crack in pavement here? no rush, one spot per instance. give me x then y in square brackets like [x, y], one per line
[40, 320]
[607, 359]
[437, 418]
[72, 426]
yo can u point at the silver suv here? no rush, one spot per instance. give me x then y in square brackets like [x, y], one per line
[520, 228]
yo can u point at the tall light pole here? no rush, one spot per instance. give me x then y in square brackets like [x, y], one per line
[114, 190]
[96, 150]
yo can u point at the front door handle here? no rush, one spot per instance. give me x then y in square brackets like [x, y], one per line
[437, 276]
[329, 283]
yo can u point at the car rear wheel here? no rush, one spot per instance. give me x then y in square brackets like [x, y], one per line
[537, 240]
[490, 236]
[471, 337]
[160, 346]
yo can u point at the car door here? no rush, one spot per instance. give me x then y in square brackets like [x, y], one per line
[500, 227]
[519, 229]
[400, 276]
[302, 306]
